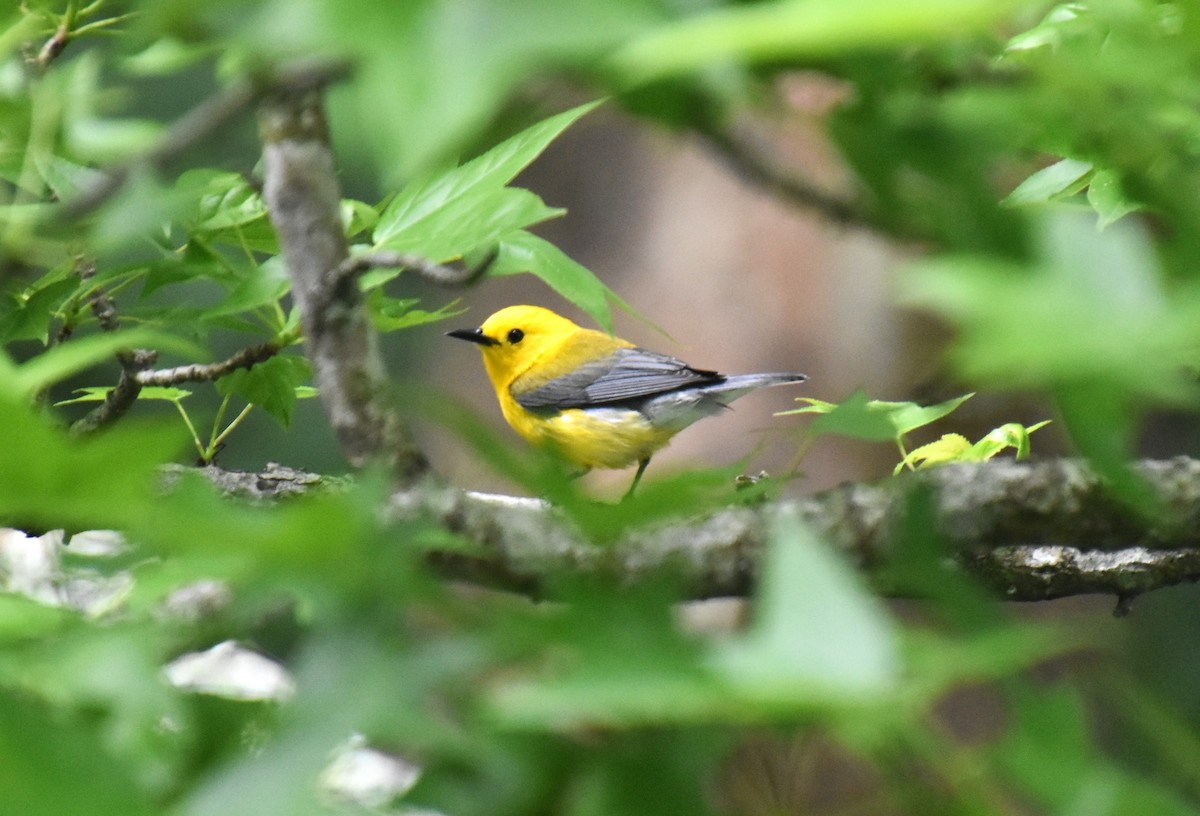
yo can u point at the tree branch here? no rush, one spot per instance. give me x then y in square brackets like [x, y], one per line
[303, 200]
[208, 372]
[273, 483]
[133, 362]
[1026, 531]
[120, 397]
[69, 26]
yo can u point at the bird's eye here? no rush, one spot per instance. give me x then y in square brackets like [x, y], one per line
[515, 336]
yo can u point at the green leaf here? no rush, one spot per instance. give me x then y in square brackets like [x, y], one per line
[64, 178]
[166, 55]
[24, 619]
[223, 200]
[660, 772]
[609, 695]
[150, 392]
[1108, 199]
[87, 132]
[436, 107]
[525, 252]
[904, 417]
[139, 213]
[54, 766]
[271, 385]
[679, 495]
[391, 314]
[110, 139]
[92, 394]
[1062, 179]
[26, 316]
[987, 650]
[449, 214]
[948, 448]
[81, 353]
[819, 635]
[1092, 310]
[908, 416]
[462, 225]
[1051, 30]
[1049, 753]
[264, 285]
[224, 208]
[796, 29]
[67, 482]
[502, 163]
[956, 448]
[1066, 178]
[921, 565]
[1103, 425]
[854, 417]
[1011, 435]
[358, 216]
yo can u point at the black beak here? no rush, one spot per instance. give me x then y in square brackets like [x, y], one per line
[474, 336]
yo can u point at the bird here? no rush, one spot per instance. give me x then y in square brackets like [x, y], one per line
[599, 400]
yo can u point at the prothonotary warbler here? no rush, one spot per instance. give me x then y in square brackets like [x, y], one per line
[600, 401]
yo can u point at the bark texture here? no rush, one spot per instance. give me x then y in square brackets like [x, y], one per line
[1027, 531]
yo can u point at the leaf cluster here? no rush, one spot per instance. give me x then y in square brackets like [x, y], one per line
[861, 418]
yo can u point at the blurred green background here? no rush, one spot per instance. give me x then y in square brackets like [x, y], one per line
[912, 199]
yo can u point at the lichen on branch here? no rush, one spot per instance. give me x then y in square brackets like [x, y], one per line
[1026, 531]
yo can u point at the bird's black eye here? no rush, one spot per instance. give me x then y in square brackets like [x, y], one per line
[515, 336]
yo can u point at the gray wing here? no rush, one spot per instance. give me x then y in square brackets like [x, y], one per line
[627, 376]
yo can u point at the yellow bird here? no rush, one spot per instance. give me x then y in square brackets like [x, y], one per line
[598, 400]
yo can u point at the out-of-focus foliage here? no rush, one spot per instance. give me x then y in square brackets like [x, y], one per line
[1046, 156]
[880, 420]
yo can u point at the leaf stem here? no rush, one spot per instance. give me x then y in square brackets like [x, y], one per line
[187, 420]
[218, 419]
[237, 420]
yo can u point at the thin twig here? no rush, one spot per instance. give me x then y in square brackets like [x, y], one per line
[439, 274]
[208, 372]
[121, 397]
[189, 129]
[69, 28]
[85, 270]
[753, 165]
[58, 40]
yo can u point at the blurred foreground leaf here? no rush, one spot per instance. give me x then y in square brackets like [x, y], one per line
[818, 635]
[51, 766]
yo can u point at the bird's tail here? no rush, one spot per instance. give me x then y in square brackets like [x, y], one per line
[681, 408]
[739, 385]
[749, 382]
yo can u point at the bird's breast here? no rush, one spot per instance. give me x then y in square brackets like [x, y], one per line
[593, 437]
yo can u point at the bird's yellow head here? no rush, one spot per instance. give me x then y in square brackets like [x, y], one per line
[517, 338]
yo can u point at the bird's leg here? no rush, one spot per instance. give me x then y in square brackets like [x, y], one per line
[637, 477]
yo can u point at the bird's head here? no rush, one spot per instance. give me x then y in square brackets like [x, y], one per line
[515, 338]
